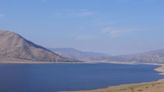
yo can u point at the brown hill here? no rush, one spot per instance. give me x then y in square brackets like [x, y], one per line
[14, 47]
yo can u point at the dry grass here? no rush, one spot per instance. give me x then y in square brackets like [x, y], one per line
[157, 86]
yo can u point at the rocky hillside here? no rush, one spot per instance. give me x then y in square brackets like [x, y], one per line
[14, 46]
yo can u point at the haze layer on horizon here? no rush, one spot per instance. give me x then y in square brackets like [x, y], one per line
[109, 26]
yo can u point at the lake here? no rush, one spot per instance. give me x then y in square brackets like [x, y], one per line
[59, 77]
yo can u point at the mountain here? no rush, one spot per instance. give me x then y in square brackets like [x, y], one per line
[14, 47]
[80, 55]
[155, 56]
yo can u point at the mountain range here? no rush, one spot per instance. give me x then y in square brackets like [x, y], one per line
[156, 56]
[14, 47]
[80, 55]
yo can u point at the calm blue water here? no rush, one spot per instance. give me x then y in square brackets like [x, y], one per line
[57, 77]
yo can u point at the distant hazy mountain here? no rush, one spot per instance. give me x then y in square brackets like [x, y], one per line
[15, 47]
[156, 56]
[80, 55]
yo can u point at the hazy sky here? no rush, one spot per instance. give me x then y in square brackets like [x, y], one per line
[110, 26]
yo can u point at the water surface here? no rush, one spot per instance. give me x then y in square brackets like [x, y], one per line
[57, 77]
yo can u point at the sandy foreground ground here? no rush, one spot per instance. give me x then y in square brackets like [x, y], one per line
[156, 86]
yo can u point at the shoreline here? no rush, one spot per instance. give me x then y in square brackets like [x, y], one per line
[158, 84]
[159, 69]
[155, 86]
[83, 62]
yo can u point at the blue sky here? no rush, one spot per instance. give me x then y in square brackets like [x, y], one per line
[110, 26]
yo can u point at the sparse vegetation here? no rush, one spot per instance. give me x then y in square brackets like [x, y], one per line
[157, 86]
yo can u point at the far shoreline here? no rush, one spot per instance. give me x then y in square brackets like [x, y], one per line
[159, 69]
[82, 62]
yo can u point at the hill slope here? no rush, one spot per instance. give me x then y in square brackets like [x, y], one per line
[80, 55]
[14, 46]
[156, 56]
